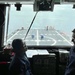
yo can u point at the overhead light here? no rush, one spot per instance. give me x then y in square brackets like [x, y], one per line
[18, 6]
[74, 6]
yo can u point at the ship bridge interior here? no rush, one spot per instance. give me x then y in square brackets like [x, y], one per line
[48, 55]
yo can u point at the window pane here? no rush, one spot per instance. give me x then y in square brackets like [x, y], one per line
[48, 28]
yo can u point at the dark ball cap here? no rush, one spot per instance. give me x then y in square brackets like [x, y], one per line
[17, 44]
[73, 31]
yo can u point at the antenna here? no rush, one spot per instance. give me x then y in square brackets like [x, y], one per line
[30, 25]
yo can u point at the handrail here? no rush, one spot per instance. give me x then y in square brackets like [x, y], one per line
[49, 47]
[43, 47]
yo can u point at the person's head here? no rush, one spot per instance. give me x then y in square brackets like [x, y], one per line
[18, 46]
[73, 36]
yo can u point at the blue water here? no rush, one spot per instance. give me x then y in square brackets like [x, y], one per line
[62, 18]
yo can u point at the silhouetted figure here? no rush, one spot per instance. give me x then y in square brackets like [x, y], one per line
[19, 64]
[42, 36]
[70, 70]
[32, 36]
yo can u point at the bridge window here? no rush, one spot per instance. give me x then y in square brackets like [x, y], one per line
[48, 27]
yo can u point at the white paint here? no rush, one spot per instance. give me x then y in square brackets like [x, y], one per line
[53, 40]
[64, 38]
[13, 36]
[37, 39]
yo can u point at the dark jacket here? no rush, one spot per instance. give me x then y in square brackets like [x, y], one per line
[20, 65]
[70, 69]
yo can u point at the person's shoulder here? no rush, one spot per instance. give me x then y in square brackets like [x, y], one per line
[72, 48]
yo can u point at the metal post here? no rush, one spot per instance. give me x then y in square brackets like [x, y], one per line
[2, 24]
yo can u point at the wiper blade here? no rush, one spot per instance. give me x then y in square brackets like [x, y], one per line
[30, 25]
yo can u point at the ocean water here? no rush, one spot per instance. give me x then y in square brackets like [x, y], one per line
[62, 18]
